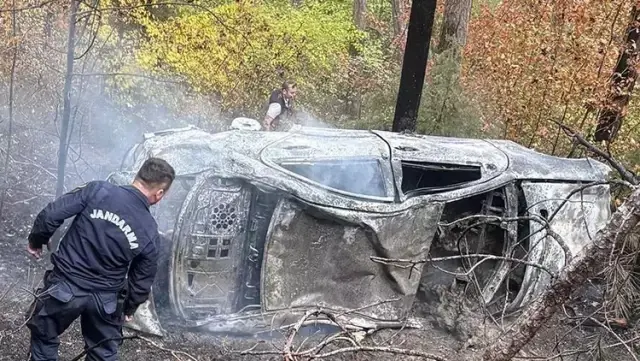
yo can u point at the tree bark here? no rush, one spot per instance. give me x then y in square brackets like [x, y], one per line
[66, 110]
[455, 24]
[622, 82]
[397, 10]
[14, 58]
[360, 14]
[623, 221]
[353, 95]
[414, 65]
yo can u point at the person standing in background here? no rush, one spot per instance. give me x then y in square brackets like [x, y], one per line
[280, 103]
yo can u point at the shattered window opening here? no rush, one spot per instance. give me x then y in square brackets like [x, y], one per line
[422, 177]
[357, 176]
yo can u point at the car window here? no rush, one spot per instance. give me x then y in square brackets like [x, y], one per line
[361, 176]
[424, 177]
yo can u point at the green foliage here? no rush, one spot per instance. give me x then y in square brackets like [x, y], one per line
[240, 52]
[445, 109]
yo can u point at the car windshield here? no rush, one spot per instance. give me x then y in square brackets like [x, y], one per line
[361, 176]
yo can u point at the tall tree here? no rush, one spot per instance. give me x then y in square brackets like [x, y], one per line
[455, 24]
[360, 13]
[414, 65]
[354, 95]
[397, 11]
[14, 58]
[622, 82]
[66, 110]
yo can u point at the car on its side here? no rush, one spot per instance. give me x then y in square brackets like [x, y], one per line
[263, 226]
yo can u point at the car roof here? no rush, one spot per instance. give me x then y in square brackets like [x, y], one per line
[256, 155]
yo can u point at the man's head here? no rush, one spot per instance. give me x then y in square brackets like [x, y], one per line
[154, 179]
[289, 89]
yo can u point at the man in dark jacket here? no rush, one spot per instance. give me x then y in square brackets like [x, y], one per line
[280, 103]
[105, 264]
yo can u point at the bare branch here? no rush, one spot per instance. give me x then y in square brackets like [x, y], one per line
[14, 58]
[169, 3]
[623, 221]
[354, 349]
[83, 353]
[484, 257]
[392, 350]
[534, 218]
[579, 139]
[128, 75]
[622, 342]
[30, 7]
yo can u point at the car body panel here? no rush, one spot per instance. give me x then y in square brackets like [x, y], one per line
[336, 199]
[321, 258]
[575, 221]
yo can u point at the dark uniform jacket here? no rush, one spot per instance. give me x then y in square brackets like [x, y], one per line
[111, 244]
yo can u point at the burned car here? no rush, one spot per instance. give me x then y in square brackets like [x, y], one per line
[260, 227]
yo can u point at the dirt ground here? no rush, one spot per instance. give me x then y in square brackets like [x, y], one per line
[447, 335]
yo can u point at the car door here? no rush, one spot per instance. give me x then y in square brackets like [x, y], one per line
[208, 248]
[324, 257]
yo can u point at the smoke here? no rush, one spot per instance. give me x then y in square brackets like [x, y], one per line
[306, 118]
[110, 112]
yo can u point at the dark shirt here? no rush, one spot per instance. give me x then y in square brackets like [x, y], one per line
[285, 106]
[112, 240]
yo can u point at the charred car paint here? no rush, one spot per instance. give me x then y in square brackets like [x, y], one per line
[260, 227]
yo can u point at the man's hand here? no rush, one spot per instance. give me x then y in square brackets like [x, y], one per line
[268, 123]
[128, 318]
[37, 252]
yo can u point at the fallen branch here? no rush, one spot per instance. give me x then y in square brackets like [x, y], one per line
[174, 353]
[579, 139]
[622, 342]
[623, 221]
[484, 257]
[313, 352]
[294, 331]
[392, 350]
[534, 218]
[122, 338]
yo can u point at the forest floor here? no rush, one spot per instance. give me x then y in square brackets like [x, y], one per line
[448, 335]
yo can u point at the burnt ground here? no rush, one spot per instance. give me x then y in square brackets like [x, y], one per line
[452, 335]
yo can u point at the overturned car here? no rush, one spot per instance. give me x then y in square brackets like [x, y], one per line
[261, 227]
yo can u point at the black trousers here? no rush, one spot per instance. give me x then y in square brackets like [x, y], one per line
[59, 304]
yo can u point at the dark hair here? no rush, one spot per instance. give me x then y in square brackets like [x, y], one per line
[155, 172]
[289, 84]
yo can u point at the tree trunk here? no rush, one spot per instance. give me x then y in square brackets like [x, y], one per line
[353, 96]
[360, 14]
[622, 82]
[66, 110]
[623, 221]
[397, 10]
[414, 65]
[455, 24]
[12, 79]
